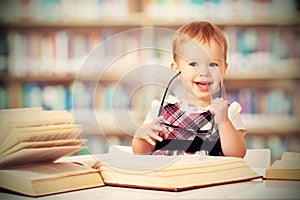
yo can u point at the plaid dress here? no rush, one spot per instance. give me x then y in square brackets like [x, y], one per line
[188, 133]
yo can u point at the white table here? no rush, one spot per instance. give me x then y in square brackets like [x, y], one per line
[256, 189]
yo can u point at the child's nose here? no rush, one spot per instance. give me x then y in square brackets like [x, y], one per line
[202, 70]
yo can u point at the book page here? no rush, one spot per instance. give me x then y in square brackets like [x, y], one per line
[290, 155]
[37, 155]
[145, 163]
[89, 160]
[42, 144]
[42, 133]
[10, 120]
[7, 115]
[169, 172]
[19, 113]
[25, 115]
[181, 172]
[286, 164]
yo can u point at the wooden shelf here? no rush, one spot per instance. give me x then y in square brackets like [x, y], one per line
[286, 81]
[58, 79]
[271, 124]
[39, 79]
[263, 76]
[140, 20]
[229, 22]
[132, 20]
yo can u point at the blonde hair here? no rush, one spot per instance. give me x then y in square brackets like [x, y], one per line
[203, 32]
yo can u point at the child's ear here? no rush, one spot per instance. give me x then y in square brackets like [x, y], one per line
[175, 67]
[225, 68]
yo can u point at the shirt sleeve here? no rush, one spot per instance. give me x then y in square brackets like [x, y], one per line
[234, 115]
[153, 112]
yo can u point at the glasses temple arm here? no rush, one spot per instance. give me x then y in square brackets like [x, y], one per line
[163, 99]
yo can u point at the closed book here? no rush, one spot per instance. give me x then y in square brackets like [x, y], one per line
[287, 168]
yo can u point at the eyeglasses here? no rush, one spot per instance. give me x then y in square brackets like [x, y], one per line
[190, 131]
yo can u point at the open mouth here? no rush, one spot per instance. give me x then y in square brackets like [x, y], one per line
[203, 85]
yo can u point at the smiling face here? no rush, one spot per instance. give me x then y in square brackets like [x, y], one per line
[202, 68]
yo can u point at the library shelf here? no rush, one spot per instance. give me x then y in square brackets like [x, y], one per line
[271, 124]
[57, 79]
[113, 77]
[255, 78]
[141, 20]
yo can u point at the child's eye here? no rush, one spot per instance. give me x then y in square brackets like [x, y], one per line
[194, 64]
[212, 64]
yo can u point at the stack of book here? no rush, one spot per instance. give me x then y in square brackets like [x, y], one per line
[31, 140]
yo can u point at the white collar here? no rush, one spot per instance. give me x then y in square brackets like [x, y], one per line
[185, 106]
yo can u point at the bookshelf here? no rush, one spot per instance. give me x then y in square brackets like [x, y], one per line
[272, 83]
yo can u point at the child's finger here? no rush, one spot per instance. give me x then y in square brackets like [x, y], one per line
[164, 131]
[156, 136]
[156, 128]
[155, 121]
[219, 101]
[150, 141]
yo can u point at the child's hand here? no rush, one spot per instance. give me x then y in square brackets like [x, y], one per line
[150, 132]
[219, 107]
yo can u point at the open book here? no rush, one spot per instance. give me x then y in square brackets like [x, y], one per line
[287, 168]
[173, 173]
[31, 140]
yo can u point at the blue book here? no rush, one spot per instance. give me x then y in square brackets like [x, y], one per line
[32, 95]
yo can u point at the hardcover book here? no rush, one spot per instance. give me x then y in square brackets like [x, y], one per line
[287, 168]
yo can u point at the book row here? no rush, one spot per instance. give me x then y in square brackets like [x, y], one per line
[231, 10]
[254, 101]
[108, 97]
[62, 11]
[23, 53]
[65, 11]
